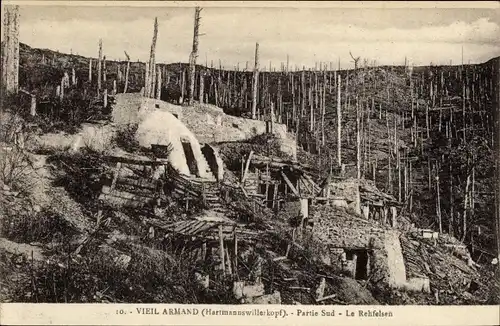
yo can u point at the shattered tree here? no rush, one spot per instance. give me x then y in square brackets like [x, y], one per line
[194, 54]
[10, 60]
[150, 79]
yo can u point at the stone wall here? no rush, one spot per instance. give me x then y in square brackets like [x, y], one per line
[208, 123]
[337, 229]
[211, 125]
[348, 189]
[395, 260]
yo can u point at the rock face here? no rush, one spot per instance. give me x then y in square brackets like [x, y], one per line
[395, 260]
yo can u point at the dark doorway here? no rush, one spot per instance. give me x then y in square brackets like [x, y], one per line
[270, 196]
[191, 161]
[362, 263]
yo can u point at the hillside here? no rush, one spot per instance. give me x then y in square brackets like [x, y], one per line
[425, 140]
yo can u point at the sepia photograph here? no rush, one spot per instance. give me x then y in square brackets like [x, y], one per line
[250, 154]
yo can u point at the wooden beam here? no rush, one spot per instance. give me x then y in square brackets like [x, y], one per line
[221, 247]
[326, 298]
[246, 167]
[306, 185]
[289, 183]
[235, 254]
[115, 176]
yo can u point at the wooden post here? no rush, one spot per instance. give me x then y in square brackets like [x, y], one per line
[235, 253]
[221, 248]
[33, 106]
[255, 82]
[10, 57]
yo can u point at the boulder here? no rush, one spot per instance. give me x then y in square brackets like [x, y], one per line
[274, 298]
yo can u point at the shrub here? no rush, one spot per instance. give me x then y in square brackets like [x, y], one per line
[125, 138]
[81, 173]
[43, 226]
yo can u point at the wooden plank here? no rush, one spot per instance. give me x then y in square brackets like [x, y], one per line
[133, 161]
[137, 183]
[289, 183]
[118, 201]
[183, 227]
[303, 180]
[106, 190]
[308, 178]
[199, 226]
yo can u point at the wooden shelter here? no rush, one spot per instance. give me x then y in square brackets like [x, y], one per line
[207, 234]
[273, 181]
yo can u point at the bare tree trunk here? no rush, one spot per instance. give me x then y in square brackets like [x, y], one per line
[194, 55]
[438, 207]
[73, 76]
[466, 207]
[147, 81]
[202, 87]
[358, 141]
[104, 70]
[496, 100]
[302, 93]
[339, 122]
[90, 70]
[127, 72]
[10, 59]
[99, 67]
[255, 82]
[158, 83]
[427, 119]
[151, 71]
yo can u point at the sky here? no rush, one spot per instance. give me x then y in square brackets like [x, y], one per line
[307, 33]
